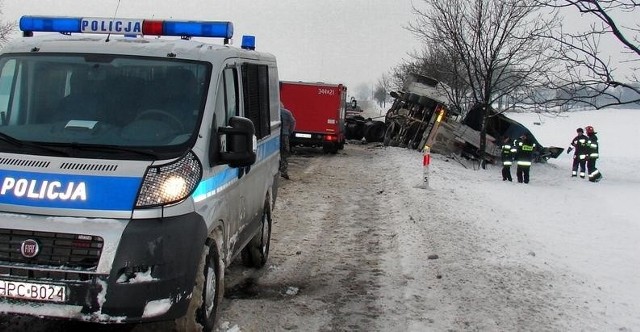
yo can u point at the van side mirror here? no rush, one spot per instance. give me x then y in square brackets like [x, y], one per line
[240, 143]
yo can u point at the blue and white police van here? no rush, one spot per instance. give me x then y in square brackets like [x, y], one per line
[138, 158]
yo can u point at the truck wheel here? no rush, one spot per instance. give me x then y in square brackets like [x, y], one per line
[389, 134]
[330, 148]
[206, 295]
[375, 131]
[255, 254]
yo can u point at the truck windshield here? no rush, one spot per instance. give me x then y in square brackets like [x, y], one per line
[70, 100]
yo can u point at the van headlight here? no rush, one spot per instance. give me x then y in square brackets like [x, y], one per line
[170, 183]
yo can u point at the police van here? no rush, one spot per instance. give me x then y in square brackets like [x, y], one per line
[138, 159]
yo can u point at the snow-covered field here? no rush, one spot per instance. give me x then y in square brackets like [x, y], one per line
[588, 232]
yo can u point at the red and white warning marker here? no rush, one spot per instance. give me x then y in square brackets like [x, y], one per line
[426, 160]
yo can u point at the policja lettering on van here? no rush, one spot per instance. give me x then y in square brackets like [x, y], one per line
[35, 189]
[100, 25]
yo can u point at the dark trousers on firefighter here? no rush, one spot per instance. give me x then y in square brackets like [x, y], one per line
[506, 171]
[579, 161]
[522, 172]
[594, 173]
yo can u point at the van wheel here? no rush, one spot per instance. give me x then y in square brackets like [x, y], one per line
[255, 254]
[207, 293]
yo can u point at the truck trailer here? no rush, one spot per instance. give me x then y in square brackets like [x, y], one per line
[319, 110]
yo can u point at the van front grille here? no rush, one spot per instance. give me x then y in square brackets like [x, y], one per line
[89, 167]
[56, 250]
[24, 162]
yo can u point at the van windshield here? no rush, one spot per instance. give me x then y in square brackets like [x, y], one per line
[66, 101]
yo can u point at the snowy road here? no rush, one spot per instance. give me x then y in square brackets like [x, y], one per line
[360, 247]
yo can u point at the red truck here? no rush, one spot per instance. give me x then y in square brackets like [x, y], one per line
[319, 109]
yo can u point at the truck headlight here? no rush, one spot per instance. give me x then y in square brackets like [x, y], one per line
[170, 183]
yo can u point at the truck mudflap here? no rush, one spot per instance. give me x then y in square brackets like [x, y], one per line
[154, 269]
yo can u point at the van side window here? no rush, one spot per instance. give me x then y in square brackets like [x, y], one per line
[231, 91]
[255, 88]
[227, 101]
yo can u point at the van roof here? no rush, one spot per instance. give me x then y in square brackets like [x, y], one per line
[140, 46]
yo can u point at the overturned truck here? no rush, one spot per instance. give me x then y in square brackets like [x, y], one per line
[419, 117]
[416, 113]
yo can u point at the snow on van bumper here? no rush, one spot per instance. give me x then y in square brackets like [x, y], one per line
[151, 277]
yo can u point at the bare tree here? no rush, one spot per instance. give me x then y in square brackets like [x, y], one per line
[444, 65]
[589, 77]
[400, 72]
[495, 41]
[5, 29]
[381, 91]
[441, 64]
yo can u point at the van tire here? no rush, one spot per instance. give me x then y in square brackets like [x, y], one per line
[256, 253]
[207, 293]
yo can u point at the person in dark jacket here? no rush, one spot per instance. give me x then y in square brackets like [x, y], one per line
[592, 150]
[579, 144]
[288, 125]
[508, 153]
[524, 155]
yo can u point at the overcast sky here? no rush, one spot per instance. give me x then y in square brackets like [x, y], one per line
[336, 41]
[353, 42]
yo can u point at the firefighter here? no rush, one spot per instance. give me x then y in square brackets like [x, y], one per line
[524, 154]
[508, 152]
[592, 150]
[579, 143]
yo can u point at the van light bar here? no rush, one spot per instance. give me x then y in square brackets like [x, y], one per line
[216, 29]
[248, 42]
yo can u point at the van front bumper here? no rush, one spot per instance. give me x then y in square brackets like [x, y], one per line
[151, 276]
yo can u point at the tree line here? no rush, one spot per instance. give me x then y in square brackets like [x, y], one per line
[519, 52]
[501, 54]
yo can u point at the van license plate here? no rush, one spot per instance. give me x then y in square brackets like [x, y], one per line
[303, 135]
[31, 291]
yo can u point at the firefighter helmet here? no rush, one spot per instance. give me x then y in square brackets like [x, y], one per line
[590, 130]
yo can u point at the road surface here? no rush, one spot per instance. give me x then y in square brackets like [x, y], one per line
[357, 246]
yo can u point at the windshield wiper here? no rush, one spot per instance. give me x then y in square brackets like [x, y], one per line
[112, 149]
[12, 140]
[20, 144]
[78, 146]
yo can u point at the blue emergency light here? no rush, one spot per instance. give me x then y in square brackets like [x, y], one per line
[248, 42]
[216, 29]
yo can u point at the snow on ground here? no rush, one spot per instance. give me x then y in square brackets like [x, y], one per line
[586, 233]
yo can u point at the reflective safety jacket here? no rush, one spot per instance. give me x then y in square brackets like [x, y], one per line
[592, 146]
[508, 153]
[579, 144]
[524, 152]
